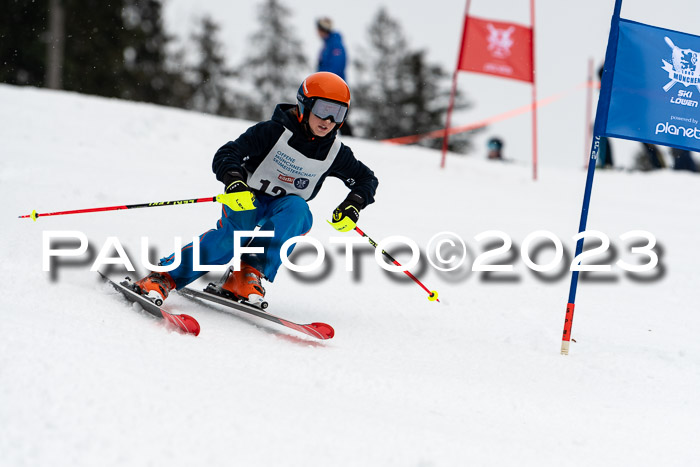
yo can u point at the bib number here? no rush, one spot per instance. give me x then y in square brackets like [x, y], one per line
[274, 191]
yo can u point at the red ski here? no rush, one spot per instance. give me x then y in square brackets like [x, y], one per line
[184, 323]
[318, 330]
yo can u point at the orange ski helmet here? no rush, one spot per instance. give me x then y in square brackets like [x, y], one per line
[328, 88]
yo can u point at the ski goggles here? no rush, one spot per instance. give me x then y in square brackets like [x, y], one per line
[327, 109]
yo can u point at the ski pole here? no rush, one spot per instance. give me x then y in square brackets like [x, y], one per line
[432, 294]
[34, 215]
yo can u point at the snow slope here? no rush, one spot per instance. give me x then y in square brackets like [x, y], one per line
[474, 380]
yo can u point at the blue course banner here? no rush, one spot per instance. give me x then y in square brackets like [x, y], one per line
[656, 87]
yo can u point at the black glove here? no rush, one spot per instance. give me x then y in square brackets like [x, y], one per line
[346, 215]
[234, 182]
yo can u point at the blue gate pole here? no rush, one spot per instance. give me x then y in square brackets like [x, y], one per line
[601, 120]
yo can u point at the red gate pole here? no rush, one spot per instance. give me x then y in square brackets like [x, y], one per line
[534, 93]
[450, 106]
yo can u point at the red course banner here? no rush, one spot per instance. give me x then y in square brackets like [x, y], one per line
[497, 48]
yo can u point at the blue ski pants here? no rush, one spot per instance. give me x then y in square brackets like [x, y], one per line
[289, 216]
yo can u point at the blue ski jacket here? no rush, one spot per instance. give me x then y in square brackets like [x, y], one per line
[247, 152]
[332, 56]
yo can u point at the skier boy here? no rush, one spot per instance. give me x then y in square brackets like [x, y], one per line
[270, 172]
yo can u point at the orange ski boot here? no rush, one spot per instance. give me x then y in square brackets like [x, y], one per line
[156, 286]
[245, 284]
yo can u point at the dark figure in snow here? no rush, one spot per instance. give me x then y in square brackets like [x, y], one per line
[269, 173]
[495, 149]
[682, 160]
[650, 158]
[332, 57]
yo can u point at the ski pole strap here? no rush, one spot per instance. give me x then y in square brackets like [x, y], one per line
[34, 215]
[432, 294]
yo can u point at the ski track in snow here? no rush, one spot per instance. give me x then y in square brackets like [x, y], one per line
[474, 380]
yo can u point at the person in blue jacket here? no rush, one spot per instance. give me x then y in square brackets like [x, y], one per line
[333, 57]
[270, 173]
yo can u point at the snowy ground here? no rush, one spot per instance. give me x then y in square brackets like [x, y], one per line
[474, 380]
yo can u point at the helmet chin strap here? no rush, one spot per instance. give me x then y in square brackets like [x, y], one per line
[303, 118]
[306, 126]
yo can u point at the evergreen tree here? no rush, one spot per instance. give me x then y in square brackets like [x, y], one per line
[209, 75]
[94, 47]
[276, 64]
[426, 97]
[376, 94]
[114, 49]
[23, 26]
[151, 74]
[398, 92]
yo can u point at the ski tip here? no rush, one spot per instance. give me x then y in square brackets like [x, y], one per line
[184, 323]
[189, 324]
[325, 330]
